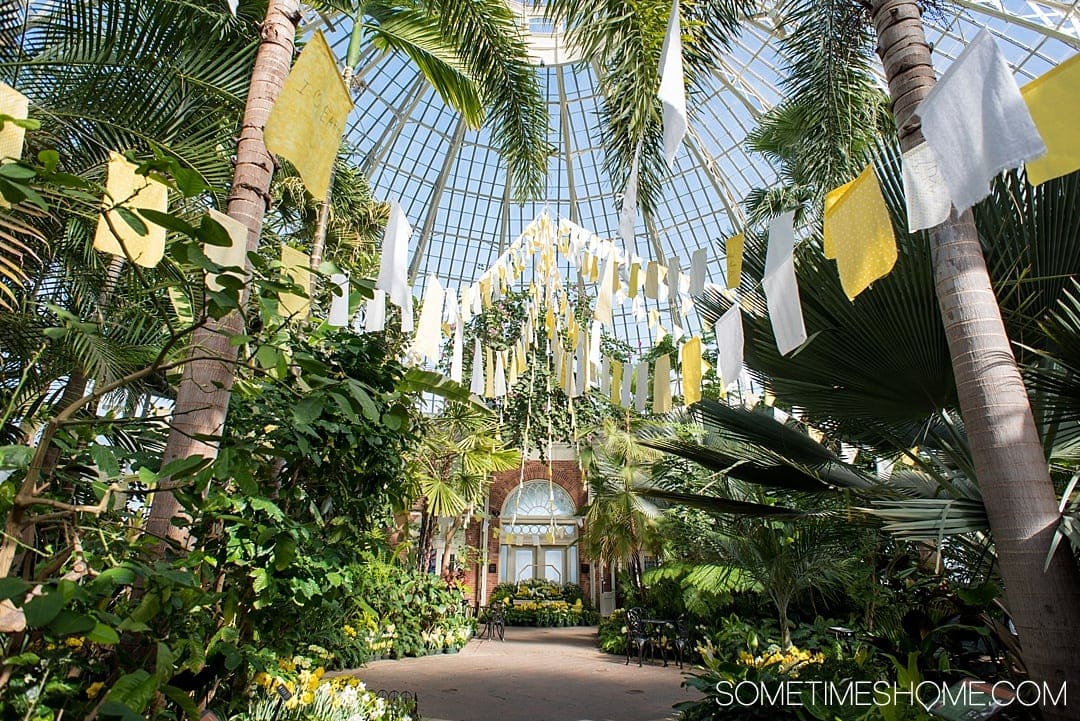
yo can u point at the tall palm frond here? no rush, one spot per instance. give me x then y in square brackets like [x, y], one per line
[623, 39]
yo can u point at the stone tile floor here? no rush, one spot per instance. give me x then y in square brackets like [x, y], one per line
[536, 674]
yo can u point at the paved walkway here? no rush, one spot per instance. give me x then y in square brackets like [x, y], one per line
[536, 674]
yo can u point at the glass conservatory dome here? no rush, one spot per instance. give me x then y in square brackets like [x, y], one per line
[452, 185]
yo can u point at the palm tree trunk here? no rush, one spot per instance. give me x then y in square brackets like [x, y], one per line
[202, 400]
[1011, 468]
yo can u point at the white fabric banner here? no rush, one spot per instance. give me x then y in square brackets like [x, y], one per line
[729, 344]
[628, 214]
[428, 341]
[781, 286]
[375, 313]
[977, 123]
[459, 351]
[627, 379]
[674, 273]
[605, 376]
[500, 374]
[394, 262]
[594, 343]
[925, 193]
[698, 262]
[339, 304]
[477, 385]
[641, 387]
[673, 86]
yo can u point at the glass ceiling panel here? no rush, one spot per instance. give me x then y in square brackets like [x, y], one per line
[452, 184]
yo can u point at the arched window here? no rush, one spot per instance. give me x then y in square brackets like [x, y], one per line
[539, 499]
[539, 534]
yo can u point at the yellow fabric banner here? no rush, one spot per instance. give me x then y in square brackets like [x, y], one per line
[16, 105]
[297, 266]
[127, 188]
[1053, 99]
[859, 233]
[662, 385]
[635, 270]
[616, 381]
[652, 280]
[691, 370]
[308, 119]
[232, 255]
[733, 249]
[485, 292]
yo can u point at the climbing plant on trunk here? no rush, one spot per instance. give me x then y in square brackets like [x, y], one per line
[1010, 465]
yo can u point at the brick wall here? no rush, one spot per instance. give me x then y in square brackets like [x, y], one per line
[564, 474]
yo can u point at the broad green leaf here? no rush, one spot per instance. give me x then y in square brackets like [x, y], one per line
[43, 609]
[105, 460]
[13, 588]
[134, 690]
[68, 623]
[103, 635]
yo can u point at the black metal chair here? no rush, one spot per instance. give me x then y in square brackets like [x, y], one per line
[682, 645]
[636, 634]
[494, 621]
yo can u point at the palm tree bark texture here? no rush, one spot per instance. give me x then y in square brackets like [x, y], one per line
[202, 400]
[1010, 465]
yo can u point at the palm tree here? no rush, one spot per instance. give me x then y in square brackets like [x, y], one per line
[620, 522]
[460, 451]
[452, 43]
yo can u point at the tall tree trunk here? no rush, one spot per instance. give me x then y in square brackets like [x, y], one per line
[448, 544]
[1012, 471]
[202, 400]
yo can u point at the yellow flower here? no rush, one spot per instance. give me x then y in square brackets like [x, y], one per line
[74, 641]
[349, 631]
[261, 679]
[94, 689]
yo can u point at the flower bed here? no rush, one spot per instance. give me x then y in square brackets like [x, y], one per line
[542, 603]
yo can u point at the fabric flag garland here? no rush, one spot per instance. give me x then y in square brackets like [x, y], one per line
[925, 195]
[476, 387]
[698, 262]
[16, 105]
[233, 255]
[127, 188]
[375, 313]
[641, 387]
[634, 281]
[615, 384]
[297, 266]
[308, 118]
[672, 86]
[691, 370]
[652, 280]
[498, 389]
[1054, 102]
[394, 262]
[602, 313]
[489, 373]
[674, 277]
[859, 233]
[624, 392]
[628, 211]
[428, 341]
[976, 123]
[339, 303]
[781, 286]
[729, 344]
[733, 250]
[662, 385]
[457, 353]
